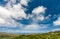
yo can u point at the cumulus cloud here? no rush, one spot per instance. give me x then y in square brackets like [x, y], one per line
[57, 22]
[6, 16]
[17, 11]
[8, 12]
[24, 2]
[39, 10]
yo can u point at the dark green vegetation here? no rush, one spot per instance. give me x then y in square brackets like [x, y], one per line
[50, 35]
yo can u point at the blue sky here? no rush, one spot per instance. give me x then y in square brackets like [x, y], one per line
[29, 16]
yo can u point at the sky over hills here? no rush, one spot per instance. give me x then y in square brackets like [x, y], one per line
[29, 16]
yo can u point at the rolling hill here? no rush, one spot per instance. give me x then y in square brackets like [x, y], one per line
[50, 35]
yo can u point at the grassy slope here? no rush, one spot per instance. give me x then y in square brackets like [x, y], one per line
[50, 35]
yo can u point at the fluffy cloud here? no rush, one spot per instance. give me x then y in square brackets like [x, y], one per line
[24, 2]
[39, 10]
[57, 22]
[6, 16]
[8, 12]
[16, 11]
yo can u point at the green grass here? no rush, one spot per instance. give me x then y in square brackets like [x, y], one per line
[50, 35]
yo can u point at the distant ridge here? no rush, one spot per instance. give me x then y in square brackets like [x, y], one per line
[49, 35]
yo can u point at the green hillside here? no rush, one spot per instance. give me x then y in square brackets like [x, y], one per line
[50, 35]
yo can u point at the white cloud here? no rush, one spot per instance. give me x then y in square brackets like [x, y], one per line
[13, 1]
[2, 21]
[57, 22]
[17, 11]
[5, 15]
[48, 17]
[24, 2]
[7, 12]
[12, 10]
[38, 10]
[57, 29]
[35, 26]
[41, 17]
[32, 27]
